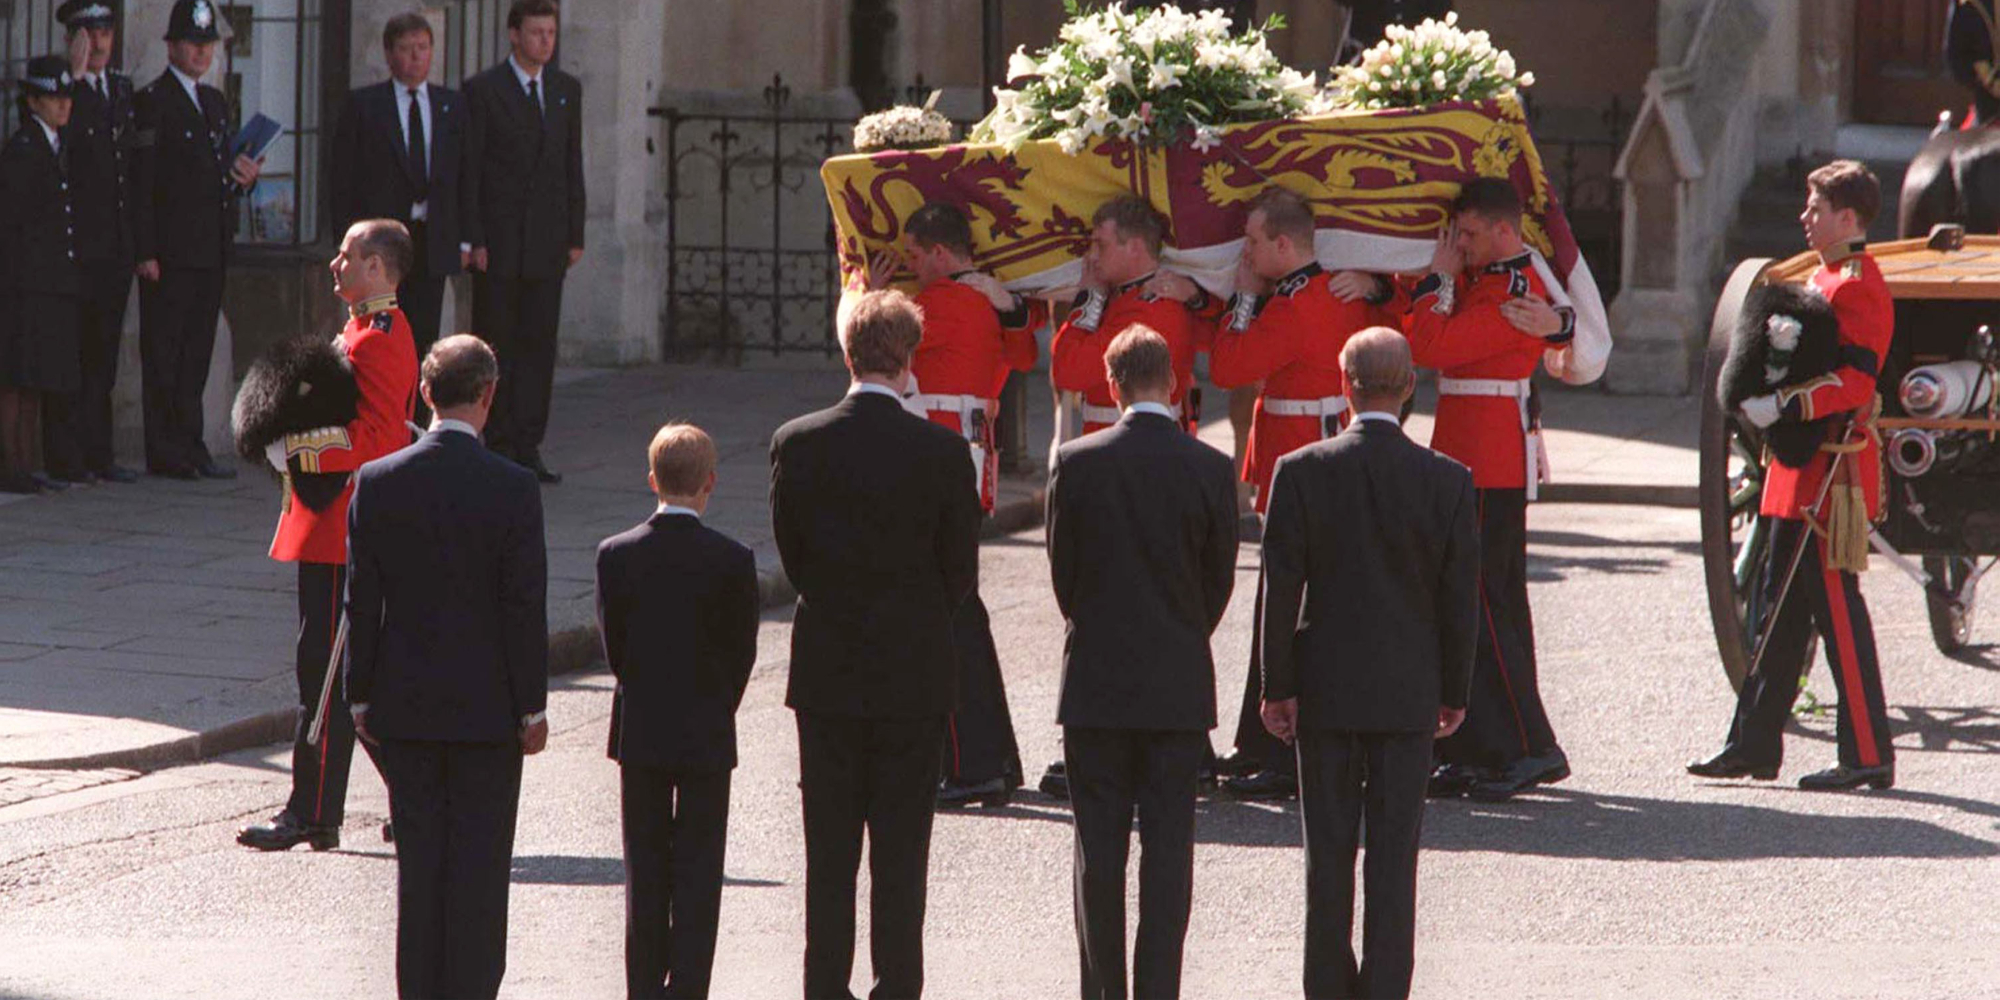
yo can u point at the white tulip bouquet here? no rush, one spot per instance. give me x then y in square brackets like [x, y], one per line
[1432, 63]
[1155, 76]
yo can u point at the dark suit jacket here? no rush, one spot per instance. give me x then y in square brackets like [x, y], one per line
[1379, 538]
[183, 213]
[877, 520]
[99, 140]
[677, 606]
[373, 176]
[446, 593]
[523, 179]
[1142, 549]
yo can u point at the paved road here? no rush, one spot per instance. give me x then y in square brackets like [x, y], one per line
[1627, 880]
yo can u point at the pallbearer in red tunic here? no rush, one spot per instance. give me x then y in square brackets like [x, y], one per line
[1482, 318]
[317, 467]
[975, 334]
[1125, 287]
[1830, 519]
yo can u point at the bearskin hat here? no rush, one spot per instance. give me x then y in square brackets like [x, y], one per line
[298, 385]
[1786, 334]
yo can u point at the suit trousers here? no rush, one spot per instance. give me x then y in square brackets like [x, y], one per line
[1504, 718]
[518, 317]
[62, 450]
[177, 317]
[1831, 600]
[1114, 773]
[1252, 739]
[1344, 776]
[454, 806]
[878, 775]
[107, 286]
[319, 773]
[979, 738]
[676, 825]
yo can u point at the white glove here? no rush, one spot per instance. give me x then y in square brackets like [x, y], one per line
[1761, 410]
[274, 453]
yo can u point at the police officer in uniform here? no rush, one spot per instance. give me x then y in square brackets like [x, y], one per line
[317, 467]
[183, 219]
[99, 141]
[38, 353]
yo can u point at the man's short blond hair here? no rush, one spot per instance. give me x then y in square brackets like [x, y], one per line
[1139, 360]
[881, 333]
[682, 456]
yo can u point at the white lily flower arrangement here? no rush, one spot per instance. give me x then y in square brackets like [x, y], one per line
[1159, 75]
[903, 127]
[1432, 63]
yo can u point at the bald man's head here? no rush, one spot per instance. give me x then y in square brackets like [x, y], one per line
[1376, 364]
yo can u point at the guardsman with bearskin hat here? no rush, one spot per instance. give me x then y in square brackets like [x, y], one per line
[976, 333]
[318, 466]
[1824, 512]
[99, 141]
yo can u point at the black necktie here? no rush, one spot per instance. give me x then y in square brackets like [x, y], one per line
[535, 95]
[419, 160]
[103, 89]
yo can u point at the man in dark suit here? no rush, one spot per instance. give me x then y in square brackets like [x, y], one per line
[523, 216]
[877, 519]
[1142, 549]
[447, 670]
[677, 606]
[184, 190]
[98, 142]
[396, 156]
[1371, 574]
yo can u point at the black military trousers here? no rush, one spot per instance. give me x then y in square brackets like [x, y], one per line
[319, 773]
[676, 825]
[877, 775]
[1115, 775]
[979, 740]
[106, 288]
[177, 317]
[1252, 739]
[454, 806]
[518, 317]
[1504, 718]
[1845, 629]
[1344, 777]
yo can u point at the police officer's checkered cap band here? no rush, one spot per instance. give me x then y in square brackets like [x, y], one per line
[93, 12]
[48, 83]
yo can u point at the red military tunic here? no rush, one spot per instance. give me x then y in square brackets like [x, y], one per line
[1850, 280]
[968, 350]
[1076, 355]
[1458, 329]
[378, 344]
[1293, 345]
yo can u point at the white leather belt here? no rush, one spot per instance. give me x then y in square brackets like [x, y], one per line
[1517, 389]
[961, 405]
[1326, 406]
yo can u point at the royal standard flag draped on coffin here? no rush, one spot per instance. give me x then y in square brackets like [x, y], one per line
[1380, 182]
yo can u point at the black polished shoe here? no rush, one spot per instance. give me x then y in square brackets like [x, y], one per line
[284, 832]
[1055, 781]
[992, 793]
[19, 482]
[48, 483]
[181, 472]
[543, 473]
[1263, 786]
[1451, 781]
[117, 474]
[388, 832]
[81, 477]
[1522, 774]
[1840, 778]
[212, 469]
[1237, 765]
[1730, 764]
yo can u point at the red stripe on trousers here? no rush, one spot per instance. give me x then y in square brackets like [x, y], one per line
[1851, 694]
[326, 738]
[1486, 608]
[951, 726]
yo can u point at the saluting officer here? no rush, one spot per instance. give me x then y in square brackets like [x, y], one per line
[41, 281]
[99, 154]
[183, 220]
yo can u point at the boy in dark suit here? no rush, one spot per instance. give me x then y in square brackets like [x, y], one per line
[677, 606]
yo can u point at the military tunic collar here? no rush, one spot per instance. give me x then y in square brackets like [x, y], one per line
[1519, 262]
[1291, 283]
[1841, 251]
[369, 307]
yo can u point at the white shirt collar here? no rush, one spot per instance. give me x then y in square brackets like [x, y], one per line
[1160, 409]
[1381, 415]
[188, 83]
[670, 508]
[55, 140]
[448, 424]
[521, 74]
[880, 390]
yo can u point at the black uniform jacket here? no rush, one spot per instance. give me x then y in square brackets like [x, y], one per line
[99, 141]
[183, 212]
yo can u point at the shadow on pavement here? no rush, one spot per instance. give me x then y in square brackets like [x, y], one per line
[1938, 728]
[1580, 540]
[571, 869]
